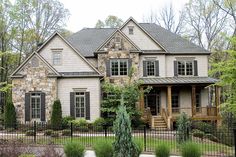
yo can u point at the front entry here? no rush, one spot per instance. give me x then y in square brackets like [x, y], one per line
[153, 102]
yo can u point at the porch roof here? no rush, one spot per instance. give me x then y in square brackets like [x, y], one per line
[178, 80]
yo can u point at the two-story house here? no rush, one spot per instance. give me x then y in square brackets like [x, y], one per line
[72, 70]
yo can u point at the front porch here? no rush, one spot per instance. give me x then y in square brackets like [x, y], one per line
[162, 106]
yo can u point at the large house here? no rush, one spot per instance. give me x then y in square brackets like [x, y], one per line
[72, 70]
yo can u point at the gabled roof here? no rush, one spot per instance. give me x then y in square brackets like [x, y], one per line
[88, 40]
[14, 74]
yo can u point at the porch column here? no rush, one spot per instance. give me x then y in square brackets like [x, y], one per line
[217, 99]
[169, 101]
[193, 100]
[141, 101]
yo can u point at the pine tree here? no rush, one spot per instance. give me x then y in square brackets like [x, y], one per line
[123, 145]
[56, 119]
[10, 115]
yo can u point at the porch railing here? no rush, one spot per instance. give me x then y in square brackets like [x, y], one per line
[164, 115]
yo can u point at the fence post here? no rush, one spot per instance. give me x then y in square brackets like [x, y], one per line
[71, 130]
[35, 131]
[145, 138]
[105, 130]
[234, 142]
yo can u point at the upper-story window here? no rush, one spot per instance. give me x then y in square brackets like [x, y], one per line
[56, 58]
[150, 68]
[185, 68]
[131, 30]
[119, 67]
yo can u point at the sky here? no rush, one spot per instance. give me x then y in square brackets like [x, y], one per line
[85, 13]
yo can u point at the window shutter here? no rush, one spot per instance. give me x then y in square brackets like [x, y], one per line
[27, 106]
[144, 68]
[175, 69]
[43, 118]
[108, 68]
[72, 104]
[87, 101]
[195, 68]
[157, 68]
[129, 65]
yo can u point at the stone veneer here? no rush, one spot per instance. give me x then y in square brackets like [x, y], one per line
[35, 78]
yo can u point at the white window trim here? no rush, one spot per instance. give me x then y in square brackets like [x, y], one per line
[185, 69]
[154, 68]
[129, 28]
[80, 107]
[118, 60]
[60, 52]
[31, 114]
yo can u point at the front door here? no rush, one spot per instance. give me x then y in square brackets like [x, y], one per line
[152, 101]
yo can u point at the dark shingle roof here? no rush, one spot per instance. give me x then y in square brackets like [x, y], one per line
[89, 39]
[172, 42]
[179, 80]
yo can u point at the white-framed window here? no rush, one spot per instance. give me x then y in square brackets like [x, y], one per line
[56, 58]
[185, 68]
[35, 104]
[131, 30]
[150, 68]
[119, 67]
[80, 104]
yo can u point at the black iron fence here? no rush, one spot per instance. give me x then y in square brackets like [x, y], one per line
[217, 143]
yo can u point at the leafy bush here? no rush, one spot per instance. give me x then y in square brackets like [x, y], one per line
[74, 149]
[162, 150]
[80, 125]
[10, 115]
[66, 121]
[29, 133]
[48, 132]
[27, 155]
[205, 127]
[55, 134]
[139, 147]
[66, 132]
[198, 133]
[212, 138]
[224, 135]
[99, 123]
[183, 128]
[190, 149]
[103, 148]
[51, 151]
[56, 118]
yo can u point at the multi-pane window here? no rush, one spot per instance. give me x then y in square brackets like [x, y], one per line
[131, 30]
[175, 102]
[185, 68]
[80, 104]
[119, 67]
[150, 68]
[56, 58]
[35, 100]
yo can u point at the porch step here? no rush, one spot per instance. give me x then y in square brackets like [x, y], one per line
[158, 123]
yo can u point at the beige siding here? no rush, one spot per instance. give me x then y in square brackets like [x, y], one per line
[71, 61]
[93, 61]
[160, 58]
[202, 64]
[140, 38]
[92, 85]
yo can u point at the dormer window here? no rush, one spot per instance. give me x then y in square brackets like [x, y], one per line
[57, 58]
[131, 30]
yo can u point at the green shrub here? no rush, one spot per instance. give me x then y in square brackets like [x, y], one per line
[74, 149]
[162, 150]
[10, 115]
[27, 155]
[103, 148]
[29, 133]
[66, 132]
[190, 149]
[98, 124]
[205, 127]
[48, 132]
[56, 118]
[212, 137]
[139, 146]
[66, 121]
[81, 125]
[183, 128]
[55, 134]
[224, 135]
[198, 133]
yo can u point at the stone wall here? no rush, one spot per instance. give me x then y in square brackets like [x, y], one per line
[35, 79]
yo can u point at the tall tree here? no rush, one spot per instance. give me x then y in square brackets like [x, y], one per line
[110, 22]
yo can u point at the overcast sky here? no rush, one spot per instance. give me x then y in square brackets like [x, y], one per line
[85, 13]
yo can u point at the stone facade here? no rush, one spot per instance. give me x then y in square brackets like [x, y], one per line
[35, 78]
